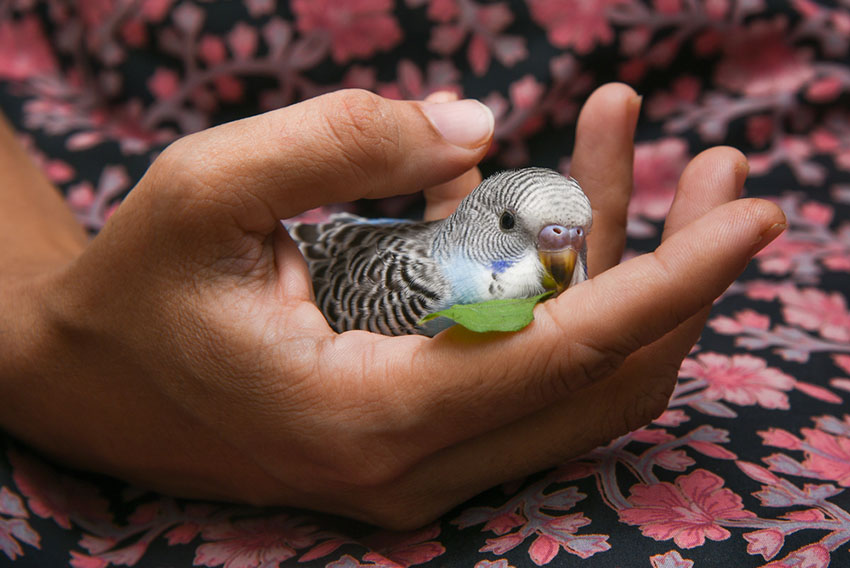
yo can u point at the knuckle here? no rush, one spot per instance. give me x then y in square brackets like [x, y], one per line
[358, 472]
[179, 172]
[372, 470]
[578, 361]
[364, 127]
[651, 403]
[668, 314]
[584, 363]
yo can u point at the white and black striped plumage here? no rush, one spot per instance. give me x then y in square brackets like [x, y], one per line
[385, 276]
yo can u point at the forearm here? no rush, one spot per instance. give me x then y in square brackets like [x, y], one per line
[38, 237]
[37, 230]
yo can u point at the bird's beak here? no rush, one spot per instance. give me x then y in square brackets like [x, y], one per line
[558, 248]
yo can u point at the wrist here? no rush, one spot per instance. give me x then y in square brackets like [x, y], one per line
[36, 363]
[23, 331]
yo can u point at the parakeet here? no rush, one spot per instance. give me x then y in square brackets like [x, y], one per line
[516, 235]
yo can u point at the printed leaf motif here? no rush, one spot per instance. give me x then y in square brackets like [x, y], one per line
[713, 408]
[712, 450]
[493, 315]
[14, 530]
[766, 542]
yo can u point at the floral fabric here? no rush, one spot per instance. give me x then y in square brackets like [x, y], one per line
[750, 464]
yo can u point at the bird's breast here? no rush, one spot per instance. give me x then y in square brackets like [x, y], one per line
[475, 281]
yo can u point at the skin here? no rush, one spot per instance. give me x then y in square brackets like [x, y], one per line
[180, 349]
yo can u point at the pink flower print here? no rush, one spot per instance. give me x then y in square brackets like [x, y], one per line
[253, 543]
[16, 528]
[812, 556]
[780, 256]
[526, 92]
[243, 40]
[767, 542]
[684, 91]
[817, 213]
[164, 83]
[658, 166]
[259, 8]
[674, 460]
[406, 549]
[485, 24]
[156, 10]
[668, 6]
[134, 33]
[743, 320]
[51, 495]
[411, 83]
[760, 129]
[443, 10]
[211, 49]
[843, 361]
[500, 563]
[189, 18]
[671, 559]
[81, 196]
[671, 418]
[229, 88]
[814, 309]
[758, 61]
[828, 456]
[24, 50]
[579, 24]
[58, 171]
[716, 9]
[95, 12]
[825, 90]
[780, 438]
[744, 380]
[543, 550]
[688, 511]
[356, 28]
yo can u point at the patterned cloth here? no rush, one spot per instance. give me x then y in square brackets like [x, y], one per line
[750, 464]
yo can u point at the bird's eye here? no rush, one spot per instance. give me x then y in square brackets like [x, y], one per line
[507, 221]
[579, 232]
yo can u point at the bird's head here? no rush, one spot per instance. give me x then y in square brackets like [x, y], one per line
[523, 224]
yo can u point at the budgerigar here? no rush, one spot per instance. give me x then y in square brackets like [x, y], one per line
[516, 235]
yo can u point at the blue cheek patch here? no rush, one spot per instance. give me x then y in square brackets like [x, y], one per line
[500, 266]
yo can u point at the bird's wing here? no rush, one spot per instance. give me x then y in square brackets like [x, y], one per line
[373, 275]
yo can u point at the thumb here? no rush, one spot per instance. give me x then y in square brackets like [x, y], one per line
[333, 148]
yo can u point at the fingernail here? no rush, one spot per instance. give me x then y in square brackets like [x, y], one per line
[742, 170]
[466, 123]
[767, 237]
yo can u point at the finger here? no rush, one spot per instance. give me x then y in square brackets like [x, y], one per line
[337, 147]
[602, 164]
[441, 97]
[712, 178]
[456, 379]
[602, 411]
[441, 200]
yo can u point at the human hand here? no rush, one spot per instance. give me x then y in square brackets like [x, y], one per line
[181, 349]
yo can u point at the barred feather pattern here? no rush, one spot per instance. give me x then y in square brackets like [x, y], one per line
[377, 276]
[384, 276]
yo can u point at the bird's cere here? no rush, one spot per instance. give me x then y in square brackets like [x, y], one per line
[515, 236]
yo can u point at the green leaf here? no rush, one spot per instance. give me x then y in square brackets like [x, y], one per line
[493, 315]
